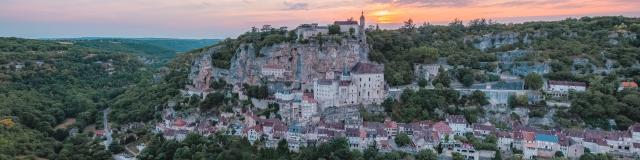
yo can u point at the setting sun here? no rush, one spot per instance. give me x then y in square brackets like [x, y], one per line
[383, 16]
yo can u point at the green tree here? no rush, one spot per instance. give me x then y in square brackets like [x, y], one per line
[426, 154]
[422, 82]
[334, 29]
[283, 147]
[402, 139]
[533, 81]
[467, 80]
[457, 156]
[443, 78]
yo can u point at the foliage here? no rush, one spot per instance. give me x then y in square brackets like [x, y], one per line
[402, 140]
[533, 81]
[56, 81]
[334, 29]
[442, 78]
[422, 104]
[595, 108]
[231, 147]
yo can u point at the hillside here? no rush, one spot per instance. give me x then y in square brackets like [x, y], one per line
[43, 83]
[155, 51]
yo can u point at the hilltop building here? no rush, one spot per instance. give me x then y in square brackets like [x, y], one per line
[306, 31]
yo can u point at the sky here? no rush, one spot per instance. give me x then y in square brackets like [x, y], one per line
[229, 18]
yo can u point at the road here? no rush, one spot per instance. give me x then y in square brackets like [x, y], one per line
[107, 130]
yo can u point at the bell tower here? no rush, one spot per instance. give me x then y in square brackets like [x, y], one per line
[361, 33]
[362, 20]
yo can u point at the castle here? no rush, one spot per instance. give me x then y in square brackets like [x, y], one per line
[306, 31]
[363, 84]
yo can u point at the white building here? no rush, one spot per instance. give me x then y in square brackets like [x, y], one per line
[306, 31]
[308, 107]
[458, 124]
[345, 26]
[562, 88]
[369, 80]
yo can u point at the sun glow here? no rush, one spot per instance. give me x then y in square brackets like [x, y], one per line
[383, 16]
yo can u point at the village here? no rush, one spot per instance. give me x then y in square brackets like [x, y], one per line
[329, 106]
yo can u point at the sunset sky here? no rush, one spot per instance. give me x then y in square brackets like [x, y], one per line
[229, 18]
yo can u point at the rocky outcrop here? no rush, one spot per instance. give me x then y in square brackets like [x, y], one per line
[302, 62]
[497, 40]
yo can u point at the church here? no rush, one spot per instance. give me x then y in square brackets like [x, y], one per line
[306, 31]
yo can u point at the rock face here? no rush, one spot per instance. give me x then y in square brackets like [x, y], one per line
[302, 62]
[497, 40]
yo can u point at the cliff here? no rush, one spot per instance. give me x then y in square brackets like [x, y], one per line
[303, 61]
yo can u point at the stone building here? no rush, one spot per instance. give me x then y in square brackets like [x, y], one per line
[363, 84]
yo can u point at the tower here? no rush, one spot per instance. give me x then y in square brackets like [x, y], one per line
[361, 30]
[362, 21]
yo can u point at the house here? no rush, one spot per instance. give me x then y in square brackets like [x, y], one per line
[596, 145]
[425, 139]
[252, 133]
[529, 145]
[628, 85]
[635, 132]
[391, 127]
[442, 129]
[547, 145]
[306, 31]
[309, 107]
[483, 129]
[562, 88]
[505, 140]
[356, 138]
[458, 124]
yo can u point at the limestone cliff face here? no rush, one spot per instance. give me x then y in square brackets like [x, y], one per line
[497, 40]
[302, 61]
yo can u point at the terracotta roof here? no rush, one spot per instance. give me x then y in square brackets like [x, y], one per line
[567, 83]
[367, 68]
[529, 136]
[442, 127]
[390, 124]
[629, 85]
[348, 22]
[179, 122]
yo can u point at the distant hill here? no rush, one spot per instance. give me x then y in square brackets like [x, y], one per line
[158, 50]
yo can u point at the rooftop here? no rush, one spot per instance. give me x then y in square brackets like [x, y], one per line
[547, 138]
[367, 68]
[567, 83]
[347, 22]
